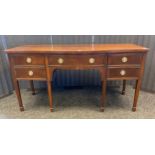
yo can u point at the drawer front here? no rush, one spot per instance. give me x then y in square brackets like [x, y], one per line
[28, 60]
[76, 60]
[124, 59]
[30, 73]
[123, 72]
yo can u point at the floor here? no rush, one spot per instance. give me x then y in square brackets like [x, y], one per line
[79, 103]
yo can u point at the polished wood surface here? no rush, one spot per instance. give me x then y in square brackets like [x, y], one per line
[77, 48]
[113, 61]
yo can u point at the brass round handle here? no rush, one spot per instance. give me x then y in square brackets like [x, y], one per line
[91, 60]
[122, 72]
[60, 61]
[30, 73]
[124, 59]
[28, 60]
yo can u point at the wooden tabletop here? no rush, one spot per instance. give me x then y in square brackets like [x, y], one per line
[77, 48]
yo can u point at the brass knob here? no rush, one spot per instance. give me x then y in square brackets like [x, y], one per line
[124, 59]
[60, 61]
[91, 60]
[28, 60]
[122, 72]
[30, 73]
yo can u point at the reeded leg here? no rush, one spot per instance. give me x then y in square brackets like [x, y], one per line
[49, 86]
[103, 98]
[32, 87]
[17, 90]
[124, 87]
[137, 89]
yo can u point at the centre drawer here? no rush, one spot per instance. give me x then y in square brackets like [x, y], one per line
[123, 73]
[30, 73]
[28, 60]
[124, 59]
[76, 60]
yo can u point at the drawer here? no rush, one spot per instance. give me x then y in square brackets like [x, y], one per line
[76, 60]
[124, 59]
[30, 73]
[123, 72]
[28, 60]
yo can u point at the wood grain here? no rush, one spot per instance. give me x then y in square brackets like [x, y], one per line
[24, 73]
[129, 72]
[116, 59]
[21, 59]
[77, 59]
[78, 48]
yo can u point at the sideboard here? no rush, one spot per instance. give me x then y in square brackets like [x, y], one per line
[113, 61]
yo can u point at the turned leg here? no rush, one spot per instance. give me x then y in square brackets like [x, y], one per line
[17, 90]
[124, 87]
[137, 89]
[32, 87]
[49, 86]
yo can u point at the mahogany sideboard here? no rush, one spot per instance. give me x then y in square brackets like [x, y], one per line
[113, 61]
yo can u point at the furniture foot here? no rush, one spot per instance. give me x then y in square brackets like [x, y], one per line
[21, 109]
[124, 87]
[123, 93]
[32, 87]
[102, 109]
[133, 109]
[51, 109]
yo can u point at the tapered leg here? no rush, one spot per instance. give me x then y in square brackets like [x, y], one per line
[103, 98]
[103, 74]
[17, 90]
[49, 86]
[124, 87]
[137, 89]
[32, 87]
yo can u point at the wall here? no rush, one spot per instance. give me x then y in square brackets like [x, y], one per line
[5, 79]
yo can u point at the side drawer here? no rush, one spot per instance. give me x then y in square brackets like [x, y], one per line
[123, 73]
[30, 73]
[28, 60]
[124, 59]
